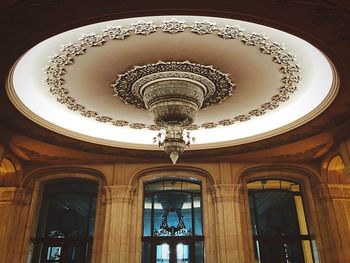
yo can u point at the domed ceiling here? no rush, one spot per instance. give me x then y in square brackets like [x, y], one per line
[80, 83]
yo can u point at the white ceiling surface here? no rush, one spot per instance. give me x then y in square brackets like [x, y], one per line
[91, 75]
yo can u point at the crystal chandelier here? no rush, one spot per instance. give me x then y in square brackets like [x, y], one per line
[173, 104]
[173, 93]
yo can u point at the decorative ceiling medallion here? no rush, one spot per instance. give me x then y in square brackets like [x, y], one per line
[56, 70]
[128, 85]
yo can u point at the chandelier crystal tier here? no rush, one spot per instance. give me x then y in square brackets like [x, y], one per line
[173, 93]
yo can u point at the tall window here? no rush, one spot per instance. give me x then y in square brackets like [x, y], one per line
[172, 222]
[280, 231]
[66, 223]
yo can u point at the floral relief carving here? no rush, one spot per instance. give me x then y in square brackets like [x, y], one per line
[202, 28]
[92, 40]
[173, 26]
[144, 28]
[218, 82]
[116, 32]
[230, 32]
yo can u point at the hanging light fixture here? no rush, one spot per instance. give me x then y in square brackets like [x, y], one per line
[173, 93]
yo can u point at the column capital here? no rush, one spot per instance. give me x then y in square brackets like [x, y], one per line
[334, 191]
[9, 195]
[119, 193]
[226, 192]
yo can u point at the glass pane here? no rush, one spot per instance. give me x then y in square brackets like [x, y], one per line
[182, 253]
[92, 216]
[301, 214]
[252, 214]
[276, 213]
[147, 216]
[197, 215]
[53, 253]
[172, 214]
[172, 185]
[199, 251]
[163, 253]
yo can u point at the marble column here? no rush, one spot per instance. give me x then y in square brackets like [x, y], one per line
[228, 223]
[14, 207]
[334, 219]
[116, 244]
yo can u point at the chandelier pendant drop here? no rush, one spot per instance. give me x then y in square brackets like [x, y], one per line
[173, 93]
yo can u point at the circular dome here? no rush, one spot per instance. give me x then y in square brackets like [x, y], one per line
[65, 83]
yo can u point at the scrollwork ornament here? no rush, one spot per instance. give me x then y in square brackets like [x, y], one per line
[290, 68]
[209, 125]
[116, 32]
[76, 107]
[281, 98]
[253, 39]
[120, 123]
[137, 126]
[271, 48]
[89, 113]
[103, 118]
[54, 71]
[192, 127]
[202, 28]
[173, 26]
[226, 122]
[270, 105]
[257, 112]
[73, 49]
[242, 118]
[65, 99]
[61, 60]
[230, 32]
[284, 58]
[144, 28]
[92, 40]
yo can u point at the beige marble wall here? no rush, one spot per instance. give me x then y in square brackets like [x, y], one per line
[226, 221]
[14, 206]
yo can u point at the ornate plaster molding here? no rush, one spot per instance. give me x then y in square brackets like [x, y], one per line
[58, 64]
[9, 195]
[226, 192]
[119, 193]
[334, 191]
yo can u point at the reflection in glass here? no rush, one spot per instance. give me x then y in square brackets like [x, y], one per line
[278, 222]
[53, 253]
[66, 222]
[172, 216]
[163, 253]
[182, 253]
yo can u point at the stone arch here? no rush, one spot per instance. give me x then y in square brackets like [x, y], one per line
[177, 171]
[35, 182]
[287, 172]
[50, 173]
[305, 176]
[182, 172]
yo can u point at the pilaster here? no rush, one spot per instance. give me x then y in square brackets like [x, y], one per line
[228, 222]
[334, 203]
[118, 201]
